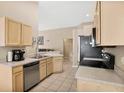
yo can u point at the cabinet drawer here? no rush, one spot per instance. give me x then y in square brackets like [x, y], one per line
[17, 69]
[49, 59]
[49, 62]
[42, 61]
[58, 58]
[42, 65]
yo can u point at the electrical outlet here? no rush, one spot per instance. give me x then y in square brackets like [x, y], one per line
[122, 60]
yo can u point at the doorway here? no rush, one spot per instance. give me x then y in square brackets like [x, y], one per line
[68, 49]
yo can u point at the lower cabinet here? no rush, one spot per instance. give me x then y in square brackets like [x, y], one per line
[43, 68]
[17, 79]
[11, 79]
[49, 66]
[57, 64]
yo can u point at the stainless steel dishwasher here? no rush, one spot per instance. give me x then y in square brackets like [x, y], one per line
[31, 75]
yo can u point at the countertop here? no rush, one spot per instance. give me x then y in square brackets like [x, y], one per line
[52, 54]
[99, 75]
[19, 63]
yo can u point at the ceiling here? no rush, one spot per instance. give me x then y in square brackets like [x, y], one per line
[60, 14]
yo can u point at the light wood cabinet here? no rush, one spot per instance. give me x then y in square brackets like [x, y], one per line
[26, 35]
[98, 23]
[111, 23]
[57, 64]
[17, 80]
[49, 66]
[14, 33]
[43, 68]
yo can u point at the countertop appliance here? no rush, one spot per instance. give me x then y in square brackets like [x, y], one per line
[18, 55]
[31, 75]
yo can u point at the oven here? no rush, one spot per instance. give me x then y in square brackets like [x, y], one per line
[107, 61]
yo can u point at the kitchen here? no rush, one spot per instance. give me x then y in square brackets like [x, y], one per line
[26, 63]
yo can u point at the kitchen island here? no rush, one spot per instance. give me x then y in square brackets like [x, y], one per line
[91, 79]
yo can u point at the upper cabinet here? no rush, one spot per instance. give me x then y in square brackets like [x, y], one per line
[14, 33]
[26, 35]
[97, 20]
[109, 20]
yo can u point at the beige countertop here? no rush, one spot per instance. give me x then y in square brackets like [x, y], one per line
[18, 63]
[52, 54]
[99, 75]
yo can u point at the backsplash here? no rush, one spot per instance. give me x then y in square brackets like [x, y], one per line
[4, 50]
[30, 50]
[119, 56]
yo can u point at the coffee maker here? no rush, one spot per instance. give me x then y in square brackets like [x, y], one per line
[18, 55]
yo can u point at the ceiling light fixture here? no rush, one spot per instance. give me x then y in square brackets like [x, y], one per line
[87, 15]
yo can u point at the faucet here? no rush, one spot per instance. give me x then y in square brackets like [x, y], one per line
[37, 41]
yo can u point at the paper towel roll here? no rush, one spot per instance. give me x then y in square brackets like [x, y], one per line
[9, 56]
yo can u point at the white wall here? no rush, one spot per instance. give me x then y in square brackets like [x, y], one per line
[26, 12]
[54, 38]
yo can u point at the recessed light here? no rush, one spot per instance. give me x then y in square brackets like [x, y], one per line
[87, 15]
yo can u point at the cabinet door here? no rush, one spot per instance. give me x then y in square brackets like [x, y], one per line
[43, 70]
[13, 33]
[98, 23]
[18, 82]
[49, 68]
[58, 65]
[26, 35]
[112, 23]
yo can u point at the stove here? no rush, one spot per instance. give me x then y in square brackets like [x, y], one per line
[107, 61]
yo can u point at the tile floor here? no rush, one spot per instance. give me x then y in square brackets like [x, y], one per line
[59, 82]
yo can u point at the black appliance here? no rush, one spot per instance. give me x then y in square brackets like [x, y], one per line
[31, 75]
[86, 49]
[93, 56]
[18, 54]
[107, 61]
